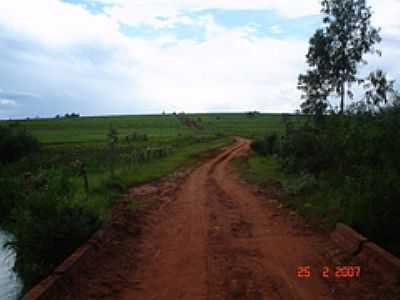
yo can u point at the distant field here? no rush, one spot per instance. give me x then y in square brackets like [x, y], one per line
[161, 127]
[94, 129]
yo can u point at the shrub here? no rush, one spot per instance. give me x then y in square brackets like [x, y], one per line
[15, 143]
[48, 226]
[11, 194]
[258, 146]
[356, 161]
[114, 185]
[301, 184]
[267, 146]
[271, 142]
[299, 149]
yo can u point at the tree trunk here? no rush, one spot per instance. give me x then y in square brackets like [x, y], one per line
[343, 96]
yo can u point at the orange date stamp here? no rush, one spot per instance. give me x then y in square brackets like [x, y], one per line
[327, 272]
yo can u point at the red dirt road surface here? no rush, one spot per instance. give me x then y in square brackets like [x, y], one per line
[205, 234]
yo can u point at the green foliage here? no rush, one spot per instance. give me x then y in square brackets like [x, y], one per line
[11, 193]
[267, 146]
[301, 150]
[80, 169]
[15, 143]
[356, 161]
[315, 94]
[344, 169]
[115, 185]
[262, 170]
[299, 185]
[47, 225]
[378, 90]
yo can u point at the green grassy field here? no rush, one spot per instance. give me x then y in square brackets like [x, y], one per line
[160, 127]
[86, 130]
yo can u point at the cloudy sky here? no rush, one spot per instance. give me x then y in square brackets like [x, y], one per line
[148, 56]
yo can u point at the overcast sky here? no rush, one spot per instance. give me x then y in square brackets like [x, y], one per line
[148, 56]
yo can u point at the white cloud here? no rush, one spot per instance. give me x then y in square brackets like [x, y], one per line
[79, 61]
[386, 15]
[108, 72]
[136, 12]
[55, 22]
[276, 29]
[229, 69]
[4, 103]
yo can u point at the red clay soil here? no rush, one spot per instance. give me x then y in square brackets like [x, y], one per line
[205, 234]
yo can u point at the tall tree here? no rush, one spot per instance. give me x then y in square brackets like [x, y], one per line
[338, 48]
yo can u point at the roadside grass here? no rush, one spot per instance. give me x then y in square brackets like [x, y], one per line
[104, 189]
[260, 170]
[300, 193]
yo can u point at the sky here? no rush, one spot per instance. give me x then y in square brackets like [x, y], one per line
[100, 57]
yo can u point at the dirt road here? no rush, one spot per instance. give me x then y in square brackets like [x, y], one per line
[213, 237]
[217, 241]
